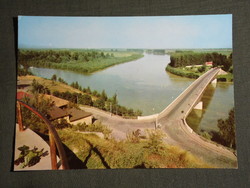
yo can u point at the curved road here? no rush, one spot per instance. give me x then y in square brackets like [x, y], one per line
[172, 122]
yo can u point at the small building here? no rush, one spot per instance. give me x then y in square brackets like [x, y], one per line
[23, 84]
[191, 66]
[58, 102]
[209, 63]
[60, 109]
[79, 116]
[57, 113]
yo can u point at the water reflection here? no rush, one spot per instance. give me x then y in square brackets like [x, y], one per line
[195, 116]
[217, 102]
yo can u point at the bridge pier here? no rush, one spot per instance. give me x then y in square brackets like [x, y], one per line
[214, 82]
[199, 106]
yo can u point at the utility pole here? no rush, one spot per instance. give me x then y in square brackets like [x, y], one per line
[110, 109]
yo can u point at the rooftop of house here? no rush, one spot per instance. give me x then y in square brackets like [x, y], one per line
[24, 82]
[75, 114]
[20, 95]
[58, 102]
[56, 112]
[209, 63]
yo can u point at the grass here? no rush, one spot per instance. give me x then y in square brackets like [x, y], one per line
[99, 153]
[194, 73]
[51, 85]
[181, 71]
[225, 78]
[82, 61]
[94, 65]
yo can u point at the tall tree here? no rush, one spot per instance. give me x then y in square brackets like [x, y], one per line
[227, 129]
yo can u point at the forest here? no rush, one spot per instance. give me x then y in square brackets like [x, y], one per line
[186, 58]
[83, 61]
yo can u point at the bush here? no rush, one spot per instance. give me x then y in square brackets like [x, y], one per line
[134, 136]
[61, 124]
[95, 127]
[183, 73]
[155, 140]
[221, 79]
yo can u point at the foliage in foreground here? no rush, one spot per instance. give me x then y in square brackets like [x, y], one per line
[226, 134]
[147, 153]
[31, 120]
[29, 157]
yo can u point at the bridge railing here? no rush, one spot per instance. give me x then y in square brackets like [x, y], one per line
[200, 94]
[54, 139]
[184, 92]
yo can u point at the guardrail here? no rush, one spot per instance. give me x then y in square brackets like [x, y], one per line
[54, 139]
[182, 95]
[201, 92]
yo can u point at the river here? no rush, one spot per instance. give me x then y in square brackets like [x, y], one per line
[144, 84]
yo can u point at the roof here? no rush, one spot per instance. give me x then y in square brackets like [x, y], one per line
[20, 95]
[75, 114]
[24, 82]
[58, 102]
[209, 63]
[56, 113]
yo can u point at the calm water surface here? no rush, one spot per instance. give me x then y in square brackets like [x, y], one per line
[144, 84]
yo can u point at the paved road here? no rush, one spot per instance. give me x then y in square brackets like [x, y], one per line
[172, 122]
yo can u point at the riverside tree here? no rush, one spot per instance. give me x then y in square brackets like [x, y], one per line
[227, 130]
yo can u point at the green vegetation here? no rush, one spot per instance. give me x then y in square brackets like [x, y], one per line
[225, 78]
[182, 59]
[83, 61]
[227, 130]
[99, 153]
[39, 88]
[226, 134]
[21, 71]
[183, 72]
[101, 100]
[29, 157]
[191, 64]
[94, 127]
[30, 119]
[156, 51]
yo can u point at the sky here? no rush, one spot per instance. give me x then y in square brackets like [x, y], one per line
[153, 32]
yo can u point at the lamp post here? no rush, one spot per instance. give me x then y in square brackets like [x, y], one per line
[155, 118]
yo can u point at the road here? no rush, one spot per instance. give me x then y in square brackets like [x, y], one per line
[172, 121]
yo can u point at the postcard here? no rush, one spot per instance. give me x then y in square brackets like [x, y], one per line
[125, 92]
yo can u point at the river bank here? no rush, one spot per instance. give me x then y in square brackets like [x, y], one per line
[82, 61]
[194, 73]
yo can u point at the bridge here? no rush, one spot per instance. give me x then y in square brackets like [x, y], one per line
[172, 120]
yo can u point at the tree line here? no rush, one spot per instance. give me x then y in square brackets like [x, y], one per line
[183, 59]
[102, 101]
[83, 61]
[226, 133]
[60, 56]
